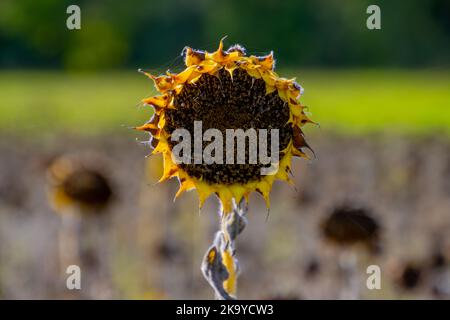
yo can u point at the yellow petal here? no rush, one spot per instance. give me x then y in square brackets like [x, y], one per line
[304, 119]
[204, 191]
[170, 168]
[193, 57]
[298, 153]
[295, 107]
[161, 101]
[254, 73]
[270, 89]
[230, 69]
[162, 121]
[228, 261]
[293, 93]
[263, 187]
[183, 76]
[194, 77]
[238, 191]
[283, 174]
[268, 76]
[283, 95]
[267, 62]
[163, 83]
[186, 184]
[162, 147]
[207, 66]
[149, 127]
[219, 55]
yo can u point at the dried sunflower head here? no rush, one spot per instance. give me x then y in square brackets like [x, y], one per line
[73, 184]
[347, 225]
[226, 90]
[410, 276]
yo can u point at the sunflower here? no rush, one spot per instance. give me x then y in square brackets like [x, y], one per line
[226, 89]
[73, 184]
[349, 225]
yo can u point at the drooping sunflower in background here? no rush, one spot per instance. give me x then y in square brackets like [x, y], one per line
[226, 90]
[350, 225]
[79, 188]
[73, 184]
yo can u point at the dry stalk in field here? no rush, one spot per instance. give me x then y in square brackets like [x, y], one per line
[220, 266]
[77, 189]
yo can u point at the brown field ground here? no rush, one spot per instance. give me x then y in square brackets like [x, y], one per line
[148, 247]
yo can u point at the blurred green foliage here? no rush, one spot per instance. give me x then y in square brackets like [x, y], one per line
[149, 33]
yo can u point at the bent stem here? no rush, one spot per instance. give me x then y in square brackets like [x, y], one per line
[348, 265]
[68, 240]
[220, 266]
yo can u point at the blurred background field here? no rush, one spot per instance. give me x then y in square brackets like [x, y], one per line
[382, 99]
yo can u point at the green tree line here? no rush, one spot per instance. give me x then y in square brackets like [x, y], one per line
[151, 34]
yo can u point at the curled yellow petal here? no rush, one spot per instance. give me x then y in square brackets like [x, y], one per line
[149, 127]
[204, 191]
[263, 188]
[254, 73]
[218, 55]
[295, 107]
[161, 101]
[268, 76]
[193, 57]
[267, 62]
[283, 95]
[207, 66]
[183, 76]
[186, 184]
[161, 147]
[228, 261]
[170, 168]
[237, 191]
[269, 88]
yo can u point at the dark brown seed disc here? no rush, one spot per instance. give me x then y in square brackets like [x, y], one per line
[222, 102]
[349, 225]
[88, 187]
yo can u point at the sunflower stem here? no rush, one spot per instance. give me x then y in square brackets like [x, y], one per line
[220, 266]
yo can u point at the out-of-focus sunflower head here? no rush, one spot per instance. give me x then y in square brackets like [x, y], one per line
[348, 225]
[75, 184]
[226, 89]
[407, 275]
